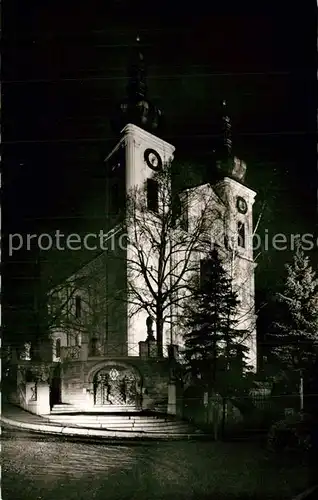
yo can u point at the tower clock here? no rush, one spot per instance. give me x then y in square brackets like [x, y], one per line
[153, 159]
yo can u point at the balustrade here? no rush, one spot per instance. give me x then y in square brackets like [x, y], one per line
[72, 352]
[109, 350]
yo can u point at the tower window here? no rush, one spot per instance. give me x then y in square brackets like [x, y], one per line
[176, 209]
[184, 216]
[241, 234]
[58, 348]
[78, 306]
[152, 195]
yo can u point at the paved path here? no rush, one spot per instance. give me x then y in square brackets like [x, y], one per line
[17, 415]
[46, 467]
[309, 494]
[24, 422]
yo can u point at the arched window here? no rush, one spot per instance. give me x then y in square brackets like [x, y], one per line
[152, 195]
[241, 234]
[78, 306]
[184, 212]
[58, 348]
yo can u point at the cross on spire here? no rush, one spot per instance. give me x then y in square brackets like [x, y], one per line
[226, 129]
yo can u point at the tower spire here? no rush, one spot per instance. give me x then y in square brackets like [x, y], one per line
[137, 86]
[136, 107]
[227, 163]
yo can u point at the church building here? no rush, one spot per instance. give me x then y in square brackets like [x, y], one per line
[113, 346]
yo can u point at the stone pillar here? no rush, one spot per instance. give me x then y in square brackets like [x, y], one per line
[84, 351]
[148, 348]
[63, 354]
[172, 399]
[90, 395]
[143, 349]
[83, 401]
[30, 402]
[43, 399]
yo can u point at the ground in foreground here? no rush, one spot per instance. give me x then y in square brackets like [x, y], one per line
[43, 467]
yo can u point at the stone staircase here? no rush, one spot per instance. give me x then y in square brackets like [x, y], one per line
[70, 408]
[134, 421]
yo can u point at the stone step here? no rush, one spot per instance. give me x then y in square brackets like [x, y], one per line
[96, 409]
[156, 423]
[115, 408]
[176, 429]
[118, 418]
[148, 423]
[183, 428]
[119, 425]
[81, 420]
[116, 427]
[63, 408]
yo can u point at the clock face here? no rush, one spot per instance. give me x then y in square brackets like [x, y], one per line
[241, 205]
[153, 159]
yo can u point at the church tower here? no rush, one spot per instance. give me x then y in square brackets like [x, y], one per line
[238, 232]
[132, 164]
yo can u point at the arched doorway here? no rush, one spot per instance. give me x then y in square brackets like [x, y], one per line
[117, 385]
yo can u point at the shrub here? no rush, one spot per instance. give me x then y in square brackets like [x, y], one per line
[291, 433]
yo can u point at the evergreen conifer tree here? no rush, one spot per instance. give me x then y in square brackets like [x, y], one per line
[297, 330]
[214, 346]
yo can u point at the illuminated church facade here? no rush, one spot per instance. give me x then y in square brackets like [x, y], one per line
[107, 350]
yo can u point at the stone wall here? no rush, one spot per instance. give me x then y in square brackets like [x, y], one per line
[155, 384]
[77, 380]
[72, 383]
[32, 396]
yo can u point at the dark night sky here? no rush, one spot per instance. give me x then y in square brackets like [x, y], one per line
[64, 70]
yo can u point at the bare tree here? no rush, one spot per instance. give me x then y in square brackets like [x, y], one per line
[167, 231]
[78, 306]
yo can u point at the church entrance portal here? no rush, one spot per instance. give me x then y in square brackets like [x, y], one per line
[116, 386]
